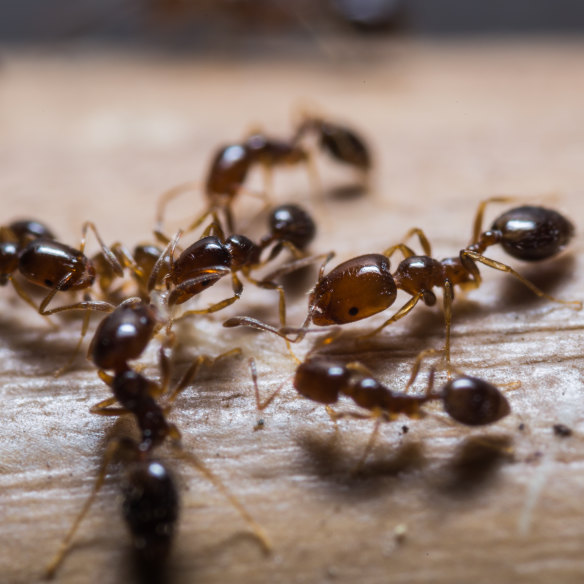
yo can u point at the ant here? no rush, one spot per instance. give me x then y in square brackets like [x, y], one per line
[150, 505]
[52, 265]
[13, 239]
[364, 285]
[232, 163]
[468, 400]
[212, 257]
[341, 143]
[140, 262]
[228, 171]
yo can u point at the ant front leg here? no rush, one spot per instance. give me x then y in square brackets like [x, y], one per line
[165, 199]
[405, 309]
[466, 255]
[220, 271]
[107, 252]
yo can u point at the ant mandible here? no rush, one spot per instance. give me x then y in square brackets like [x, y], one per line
[364, 286]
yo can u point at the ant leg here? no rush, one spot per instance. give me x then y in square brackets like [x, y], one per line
[110, 452]
[407, 251]
[448, 297]
[163, 201]
[127, 260]
[107, 252]
[97, 305]
[479, 216]
[370, 443]
[84, 328]
[298, 264]
[254, 375]
[103, 408]
[416, 366]
[222, 488]
[192, 371]
[254, 323]
[267, 285]
[405, 309]
[575, 304]
[214, 228]
[168, 253]
[30, 302]
[237, 290]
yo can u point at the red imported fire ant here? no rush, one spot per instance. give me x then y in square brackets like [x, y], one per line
[227, 174]
[232, 163]
[150, 503]
[341, 143]
[467, 400]
[212, 257]
[13, 239]
[364, 286]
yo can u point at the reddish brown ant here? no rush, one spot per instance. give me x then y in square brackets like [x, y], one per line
[341, 143]
[13, 239]
[468, 400]
[228, 171]
[58, 267]
[150, 496]
[364, 286]
[212, 257]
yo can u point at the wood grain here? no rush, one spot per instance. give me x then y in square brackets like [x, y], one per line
[100, 136]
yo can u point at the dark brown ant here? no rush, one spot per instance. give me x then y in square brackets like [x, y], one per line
[212, 257]
[364, 286]
[123, 335]
[341, 143]
[468, 400]
[58, 267]
[228, 171]
[13, 239]
[150, 504]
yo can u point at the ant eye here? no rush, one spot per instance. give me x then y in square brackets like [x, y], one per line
[48, 283]
[353, 310]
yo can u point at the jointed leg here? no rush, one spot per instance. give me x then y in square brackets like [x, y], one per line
[407, 251]
[575, 304]
[405, 309]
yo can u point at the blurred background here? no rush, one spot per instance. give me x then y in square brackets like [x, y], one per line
[227, 24]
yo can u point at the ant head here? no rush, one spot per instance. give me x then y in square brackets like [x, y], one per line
[355, 289]
[321, 380]
[474, 402]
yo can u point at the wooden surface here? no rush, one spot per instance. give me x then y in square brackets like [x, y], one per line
[101, 136]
